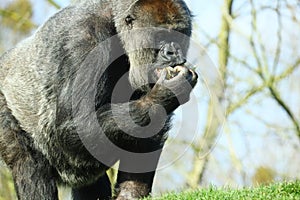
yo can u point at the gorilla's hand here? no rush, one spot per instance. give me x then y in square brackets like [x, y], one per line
[173, 87]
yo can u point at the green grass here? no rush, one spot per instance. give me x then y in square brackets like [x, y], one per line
[276, 191]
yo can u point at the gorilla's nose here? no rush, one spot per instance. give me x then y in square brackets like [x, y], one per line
[173, 54]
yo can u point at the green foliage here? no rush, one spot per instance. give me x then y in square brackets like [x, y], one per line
[276, 191]
[112, 175]
[6, 185]
[17, 16]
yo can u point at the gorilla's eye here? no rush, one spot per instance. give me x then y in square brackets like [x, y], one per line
[129, 19]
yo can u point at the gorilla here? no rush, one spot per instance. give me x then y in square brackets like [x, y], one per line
[96, 84]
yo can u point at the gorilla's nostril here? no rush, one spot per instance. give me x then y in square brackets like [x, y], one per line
[170, 53]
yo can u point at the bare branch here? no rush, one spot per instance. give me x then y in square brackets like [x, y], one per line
[252, 42]
[279, 38]
[249, 94]
[288, 71]
[53, 3]
[285, 107]
[224, 40]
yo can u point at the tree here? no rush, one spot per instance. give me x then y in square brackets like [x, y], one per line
[262, 61]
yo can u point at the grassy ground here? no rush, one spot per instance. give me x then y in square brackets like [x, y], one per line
[276, 191]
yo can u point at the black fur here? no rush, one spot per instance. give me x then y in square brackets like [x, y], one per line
[46, 79]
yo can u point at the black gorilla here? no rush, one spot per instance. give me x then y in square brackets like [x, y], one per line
[119, 62]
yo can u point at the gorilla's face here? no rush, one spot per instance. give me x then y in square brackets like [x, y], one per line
[155, 35]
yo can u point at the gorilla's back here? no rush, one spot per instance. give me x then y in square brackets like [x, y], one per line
[21, 83]
[31, 73]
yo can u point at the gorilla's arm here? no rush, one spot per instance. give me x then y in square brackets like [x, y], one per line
[126, 131]
[140, 126]
[148, 115]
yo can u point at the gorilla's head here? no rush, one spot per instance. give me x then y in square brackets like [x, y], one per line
[155, 34]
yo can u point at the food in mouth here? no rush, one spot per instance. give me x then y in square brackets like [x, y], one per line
[171, 71]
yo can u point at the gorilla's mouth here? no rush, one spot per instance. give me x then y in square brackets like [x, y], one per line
[171, 71]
